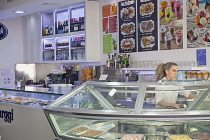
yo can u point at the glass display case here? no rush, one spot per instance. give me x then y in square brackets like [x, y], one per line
[62, 20]
[47, 23]
[77, 18]
[31, 97]
[78, 47]
[48, 49]
[62, 48]
[119, 110]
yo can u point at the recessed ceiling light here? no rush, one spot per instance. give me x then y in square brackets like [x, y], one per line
[19, 12]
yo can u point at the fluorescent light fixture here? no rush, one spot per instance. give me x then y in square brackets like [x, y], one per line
[112, 92]
[19, 12]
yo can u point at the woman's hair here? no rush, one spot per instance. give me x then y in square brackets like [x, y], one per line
[161, 68]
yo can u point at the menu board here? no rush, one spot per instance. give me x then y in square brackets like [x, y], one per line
[127, 26]
[171, 24]
[110, 19]
[198, 28]
[147, 25]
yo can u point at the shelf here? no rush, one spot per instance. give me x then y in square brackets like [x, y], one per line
[62, 47]
[73, 48]
[48, 50]
[77, 22]
[78, 40]
[77, 32]
[153, 69]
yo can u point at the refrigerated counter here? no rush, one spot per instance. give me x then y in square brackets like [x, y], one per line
[21, 113]
[118, 110]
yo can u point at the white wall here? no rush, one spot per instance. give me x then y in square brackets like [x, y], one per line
[12, 46]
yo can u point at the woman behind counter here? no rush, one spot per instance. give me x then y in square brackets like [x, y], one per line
[169, 71]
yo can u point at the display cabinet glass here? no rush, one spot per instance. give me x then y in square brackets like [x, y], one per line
[62, 21]
[48, 23]
[77, 18]
[62, 48]
[117, 110]
[48, 49]
[78, 47]
[36, 97]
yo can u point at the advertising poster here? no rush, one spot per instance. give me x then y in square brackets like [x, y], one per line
[109, 13]
[127, 26]
[171, 24]
[147, 25]
[201, 57]
[198, 28]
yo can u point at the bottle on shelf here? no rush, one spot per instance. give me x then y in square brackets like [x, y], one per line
[60, 27]
[46, 29]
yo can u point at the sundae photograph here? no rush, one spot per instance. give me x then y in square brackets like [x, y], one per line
[198, 28]
[171, 24]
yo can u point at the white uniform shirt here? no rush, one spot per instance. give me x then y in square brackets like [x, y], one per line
[169, 96]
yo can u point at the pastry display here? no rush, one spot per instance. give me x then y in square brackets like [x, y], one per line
[127, 44]
[147, 8]
[132, 137]
[147, 41]
[91, 133]
[147, 26]
[79, 130]
[179, 137]
[127, 13]
[127, 28]
[203, 136]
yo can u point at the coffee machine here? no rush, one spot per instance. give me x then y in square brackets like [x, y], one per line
[63, 78]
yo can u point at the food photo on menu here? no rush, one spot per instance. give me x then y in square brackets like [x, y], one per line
[147, 9]
[198, 14]
[127, 28]
[127, 13]
[127, 44]
[147, 26]
[147, 41]
[171, 24]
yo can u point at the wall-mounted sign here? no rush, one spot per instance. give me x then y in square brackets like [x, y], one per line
[3, 31]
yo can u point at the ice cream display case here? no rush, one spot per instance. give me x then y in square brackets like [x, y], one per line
[119, 110]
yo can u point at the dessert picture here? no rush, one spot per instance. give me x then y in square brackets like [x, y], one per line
[146, 9]
[127, 13]
[147, 41]
[147, 26]
[127, 28]
[127, 44]
[206, 38]
[192, 35]
[192, 7]
[171, 24]
[201, 21]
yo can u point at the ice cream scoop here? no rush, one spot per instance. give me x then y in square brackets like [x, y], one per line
[163, 29]
[203, 21]
[202, 14]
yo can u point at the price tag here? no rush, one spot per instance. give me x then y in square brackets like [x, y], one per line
[103, 77]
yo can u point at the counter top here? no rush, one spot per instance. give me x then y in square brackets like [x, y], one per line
[32, 88]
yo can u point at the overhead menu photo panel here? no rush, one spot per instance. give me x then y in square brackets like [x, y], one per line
[198, 28]
[171, 24]
[127, 26]
[147, 25]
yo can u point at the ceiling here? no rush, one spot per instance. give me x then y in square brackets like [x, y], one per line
[7, 7]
